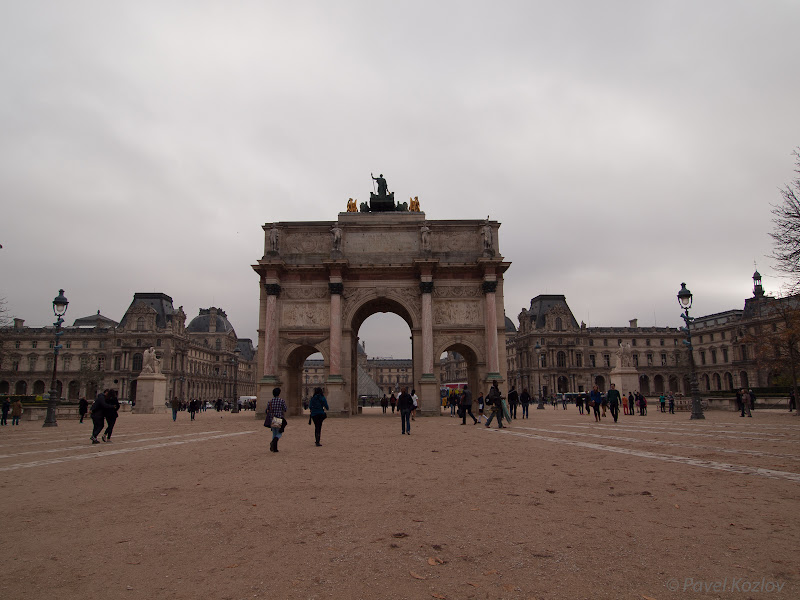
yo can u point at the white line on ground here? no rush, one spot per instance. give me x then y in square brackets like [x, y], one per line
[670, 444]
[695, 462]
[89, 446]
[104, 453]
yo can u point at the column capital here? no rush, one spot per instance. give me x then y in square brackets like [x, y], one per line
[426, 287]
[489, 286]
[336, 288]
[273, 289]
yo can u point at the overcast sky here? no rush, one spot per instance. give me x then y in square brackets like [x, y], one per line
[624, 147]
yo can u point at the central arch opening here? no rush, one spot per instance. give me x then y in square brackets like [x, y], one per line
[382, 355]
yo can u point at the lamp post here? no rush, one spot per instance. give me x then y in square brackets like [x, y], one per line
[538, 349]
[685, 301]
[60, 304]
[235, 363]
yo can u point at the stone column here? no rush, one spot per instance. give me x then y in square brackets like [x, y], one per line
[270, 331]
[426, 287]
[492, 357]
[336, 288]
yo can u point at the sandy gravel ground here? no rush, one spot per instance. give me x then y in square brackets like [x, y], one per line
[553, 507]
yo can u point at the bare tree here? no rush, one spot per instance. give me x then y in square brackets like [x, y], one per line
[786, 232]
[777, 343]
[5, 319]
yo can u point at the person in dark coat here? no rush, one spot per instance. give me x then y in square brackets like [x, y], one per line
[6, 408]
[110, 413]
[613, 399]
[405, 404]
[513, 401]
[83, 408]
[98, 416]
[466, 406]
[317, 406]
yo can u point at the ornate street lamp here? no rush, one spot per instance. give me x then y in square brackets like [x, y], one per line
[235, 363]
[685, 301]
[60, 304]
[538, 349]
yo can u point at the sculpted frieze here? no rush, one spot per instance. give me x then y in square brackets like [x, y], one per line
[305, 314]
[307, 243]
[305, 293]
[457, 291]
[369, 242]
[458, 313]
[444, 241]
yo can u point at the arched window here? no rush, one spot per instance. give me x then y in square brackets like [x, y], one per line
[21, 388]
[717, 381]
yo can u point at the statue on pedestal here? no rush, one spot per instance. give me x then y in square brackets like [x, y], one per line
[351, 205]
[488, 246]
[425, 235]
[336, 232]
[150, 363]
[273, 239]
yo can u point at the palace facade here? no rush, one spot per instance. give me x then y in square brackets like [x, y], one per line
[99, 353]
[552, 353]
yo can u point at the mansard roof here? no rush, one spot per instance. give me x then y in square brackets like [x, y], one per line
[160, 303]
[544, 303]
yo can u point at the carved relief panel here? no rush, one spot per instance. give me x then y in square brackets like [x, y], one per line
[458, 313]
[305, 314]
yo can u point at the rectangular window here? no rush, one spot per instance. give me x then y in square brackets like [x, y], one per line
[744, 352]
[633, 343]
[16, 344]
[32, 363]
[119, 343]
[591, 342]
[101, 363]
[649, 359]
[34, 344]
[116, 363]
[605, 342]
[663, 359]
[85, 344]
[635, 360]
[713, 357]
[15, 365]
[702, 357]
[607, 360]
[661, 342]
[711, 337]
[647, 342]
[579, 360]
[724, 355]
[701, 339]
[68, 345]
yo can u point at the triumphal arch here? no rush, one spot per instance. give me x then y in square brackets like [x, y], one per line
[320, 280]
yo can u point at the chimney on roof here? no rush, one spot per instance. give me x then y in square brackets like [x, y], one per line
[18, 323]
[634, 323]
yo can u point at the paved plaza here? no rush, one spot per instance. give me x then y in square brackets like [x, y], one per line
[555, 506]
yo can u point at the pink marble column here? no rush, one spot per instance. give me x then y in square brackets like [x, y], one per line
[336, 329]
[493, 359]
[427, 334]
[270, 330]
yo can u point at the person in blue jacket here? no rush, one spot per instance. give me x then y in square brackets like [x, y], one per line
[596, 399]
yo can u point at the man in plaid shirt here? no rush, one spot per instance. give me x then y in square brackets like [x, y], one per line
[275, 410]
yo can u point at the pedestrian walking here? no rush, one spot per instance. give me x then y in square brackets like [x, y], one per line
[662, 401]
[110, 412]
[525, 401]
[792, 402]
[415, 402]
[317, 406]
[513, 400]
[276, 409]
[495, 400]
[6, 409]
[176, 406]
[393, 402]
[596, 399]
[480, 408]
[630, 403]
[83, 408]
[613, 399]
[466, 406]
[98, 416]
[384, 403]
[671, 400]
[16, 411]
[746, 403]
[405, 404]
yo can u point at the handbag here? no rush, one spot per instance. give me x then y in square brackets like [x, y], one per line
[276, 422]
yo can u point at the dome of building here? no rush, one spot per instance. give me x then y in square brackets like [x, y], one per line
[510, 327]
[210, 320]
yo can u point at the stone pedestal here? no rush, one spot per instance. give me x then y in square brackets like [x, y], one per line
[626, 379]
[151, 393]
